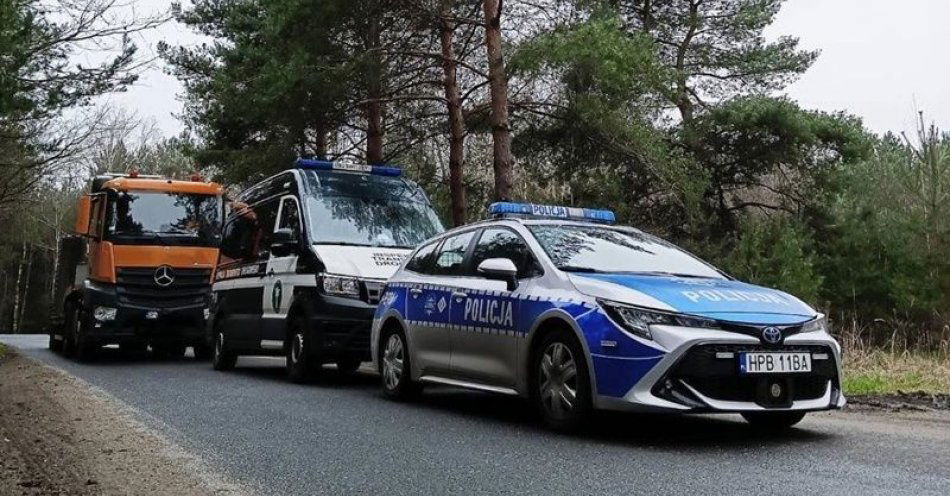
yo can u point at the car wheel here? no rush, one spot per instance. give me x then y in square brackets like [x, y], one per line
[394, 367]
[202, 351]
[561, 391]
[303, 362]
[348, 365]
[221, 357]
[773, 421]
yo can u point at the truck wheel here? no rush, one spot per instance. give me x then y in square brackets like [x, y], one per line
[348, 365]
[773, 421]
[86, 348]
[221, 357]
[303, 361]
[561, 385]
[69, 331]
[55, 345]
[202, 351]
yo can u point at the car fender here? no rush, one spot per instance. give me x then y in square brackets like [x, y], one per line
[547, 316]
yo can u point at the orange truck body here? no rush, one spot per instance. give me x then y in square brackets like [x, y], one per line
[142, 275]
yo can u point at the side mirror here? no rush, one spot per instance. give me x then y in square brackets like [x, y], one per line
[284, 243]
[500, 269]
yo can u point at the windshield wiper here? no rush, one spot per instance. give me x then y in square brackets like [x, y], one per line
[149, 234]
[671, 274]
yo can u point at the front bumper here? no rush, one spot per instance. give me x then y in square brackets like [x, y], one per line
[136, 322]
[344, 324]
[700, 373]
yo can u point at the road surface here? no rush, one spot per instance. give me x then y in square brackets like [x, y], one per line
[340, 436]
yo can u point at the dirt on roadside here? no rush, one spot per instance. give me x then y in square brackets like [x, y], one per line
[918, 400]
[58, 436]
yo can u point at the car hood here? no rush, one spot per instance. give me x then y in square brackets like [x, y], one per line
[361, 261]
[722, 299]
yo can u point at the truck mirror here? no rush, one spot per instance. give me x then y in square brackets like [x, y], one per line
[284, 242]
[83, 208]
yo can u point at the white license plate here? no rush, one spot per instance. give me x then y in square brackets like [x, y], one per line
[774, 363]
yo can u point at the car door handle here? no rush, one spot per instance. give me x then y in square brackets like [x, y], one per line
[415, 292]
[459, 295]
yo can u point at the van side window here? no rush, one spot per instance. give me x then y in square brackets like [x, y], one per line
[422, 262]
[290, 216]
[502, 243]
[240, 234]
[267, 219]
[449, 260]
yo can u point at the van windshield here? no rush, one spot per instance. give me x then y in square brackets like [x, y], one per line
[367, 210]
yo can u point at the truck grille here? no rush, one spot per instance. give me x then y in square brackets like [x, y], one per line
[137, 287]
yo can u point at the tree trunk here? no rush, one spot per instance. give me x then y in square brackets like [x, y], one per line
[24, 302]
[17, 299]
[453, 98]
[375, 133]
[322, 141]
[498, 83]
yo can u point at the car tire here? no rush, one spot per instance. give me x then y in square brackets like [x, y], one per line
[773, 421]
[303, 361]
[395, 367]
[560, 387]
[222, 358]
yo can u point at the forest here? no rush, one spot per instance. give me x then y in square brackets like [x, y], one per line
[671, 113]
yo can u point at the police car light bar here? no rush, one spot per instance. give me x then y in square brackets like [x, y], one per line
[379, 170]
[502, 209]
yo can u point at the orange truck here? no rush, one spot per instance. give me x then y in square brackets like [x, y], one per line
[137, 270]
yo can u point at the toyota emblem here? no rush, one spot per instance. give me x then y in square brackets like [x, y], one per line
[164, 276]
[772, 335]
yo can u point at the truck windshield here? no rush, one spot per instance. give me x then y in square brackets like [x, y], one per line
[368, 210]
[593, 249]
[141, 217]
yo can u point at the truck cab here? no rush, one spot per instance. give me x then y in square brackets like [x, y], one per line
[137, 270]
[304, 259]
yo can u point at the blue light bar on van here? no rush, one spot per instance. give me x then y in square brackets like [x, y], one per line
[502, 209]
[379, 170]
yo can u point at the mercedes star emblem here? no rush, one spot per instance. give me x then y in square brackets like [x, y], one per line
[164, 276]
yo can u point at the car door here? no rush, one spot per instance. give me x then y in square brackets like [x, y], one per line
[430, 298]
[281, 274]
[239, 276]
[486, 332]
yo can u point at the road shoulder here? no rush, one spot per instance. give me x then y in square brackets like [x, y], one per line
[59, 435]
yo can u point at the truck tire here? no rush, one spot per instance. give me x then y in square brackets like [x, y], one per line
[221, 357]
[55, 345]
[85, 348]
[69, 321]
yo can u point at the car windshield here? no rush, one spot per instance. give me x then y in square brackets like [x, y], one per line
[165, 218]
[580, 248]
[368, 210]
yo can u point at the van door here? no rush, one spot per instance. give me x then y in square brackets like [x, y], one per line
[281, 277]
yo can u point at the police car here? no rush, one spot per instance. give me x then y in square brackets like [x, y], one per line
[303, 261]
[558, 305]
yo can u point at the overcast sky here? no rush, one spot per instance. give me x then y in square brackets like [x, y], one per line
[880, 59]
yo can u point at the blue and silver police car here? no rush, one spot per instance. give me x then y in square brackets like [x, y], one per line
[558, 305]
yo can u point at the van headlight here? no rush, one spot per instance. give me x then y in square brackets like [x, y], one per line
[818, 324]
[638, 320]
[340, 286]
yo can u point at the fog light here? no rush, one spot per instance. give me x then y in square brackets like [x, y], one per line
[104, 313]
[776, 390]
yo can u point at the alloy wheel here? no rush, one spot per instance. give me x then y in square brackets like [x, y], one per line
[557, 384]
[393, 359]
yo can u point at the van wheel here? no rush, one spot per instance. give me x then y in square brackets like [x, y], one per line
[348, 365]
[394, 367]
[561, 389]
[773, 421]
[221, 357]
[303, 362]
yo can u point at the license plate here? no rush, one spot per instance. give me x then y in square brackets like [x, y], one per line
[774, 363]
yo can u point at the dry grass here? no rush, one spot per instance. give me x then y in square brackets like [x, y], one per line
[891, 357]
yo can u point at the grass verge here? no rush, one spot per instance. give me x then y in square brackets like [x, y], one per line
[870, 371]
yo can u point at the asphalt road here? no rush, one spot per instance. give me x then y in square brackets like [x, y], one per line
[341, 436]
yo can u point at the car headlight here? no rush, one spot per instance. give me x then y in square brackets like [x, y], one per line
[340, 286]
[104, 313]
[638, 320]
[815, 325]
